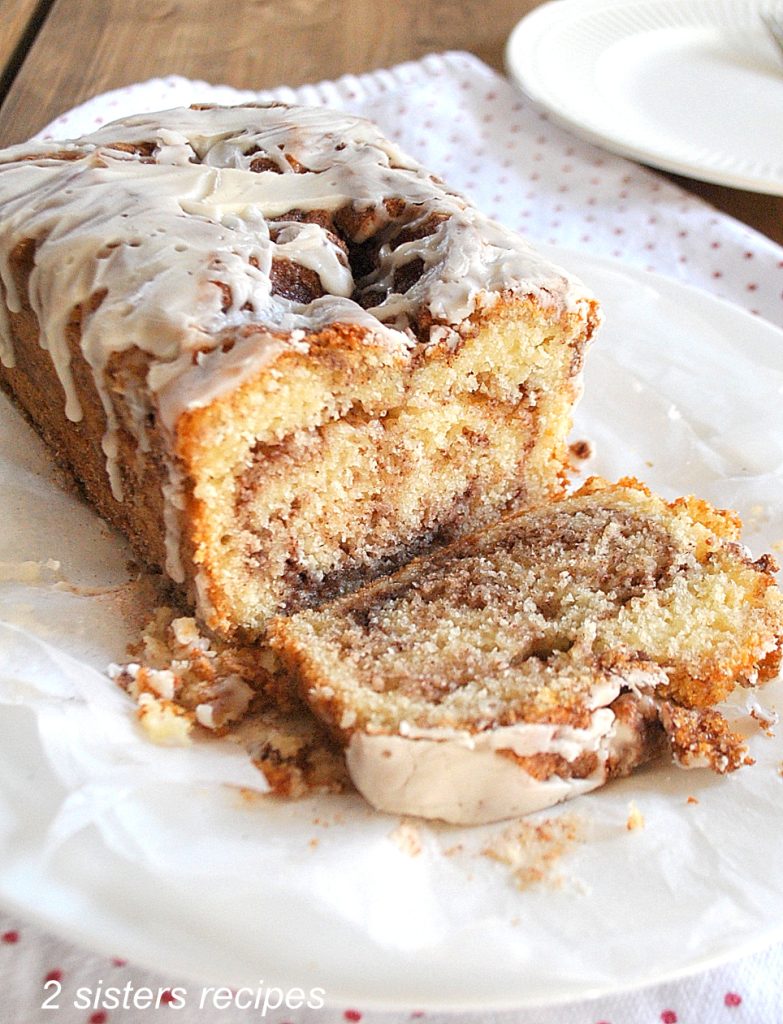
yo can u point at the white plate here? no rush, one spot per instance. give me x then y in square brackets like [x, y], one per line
[141, 852]
[691, 86]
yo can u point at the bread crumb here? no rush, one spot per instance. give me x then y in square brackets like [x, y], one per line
[222, 689]
[451, 851]
[532, 849]
[635, 818]
[407, 837]
[692, 800]
[314, 842]
[163, 721]
[766, 719]
[581, 450]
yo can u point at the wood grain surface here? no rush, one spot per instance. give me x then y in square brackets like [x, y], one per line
[245, 43]
[19, 23]
[88, 46]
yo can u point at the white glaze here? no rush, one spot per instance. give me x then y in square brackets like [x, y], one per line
[464, 778]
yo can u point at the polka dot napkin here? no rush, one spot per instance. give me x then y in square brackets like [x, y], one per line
[468, 124]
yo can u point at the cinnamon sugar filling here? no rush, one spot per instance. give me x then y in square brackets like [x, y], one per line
[404, 481]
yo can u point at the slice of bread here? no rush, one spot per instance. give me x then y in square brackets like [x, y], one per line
[540, 657]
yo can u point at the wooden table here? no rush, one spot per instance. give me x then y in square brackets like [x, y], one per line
[56, 53]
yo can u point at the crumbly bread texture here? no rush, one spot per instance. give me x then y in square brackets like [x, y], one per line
[185, 682]
[276, 352]
[572, 641]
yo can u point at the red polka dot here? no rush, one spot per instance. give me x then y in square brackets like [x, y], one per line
[732, 999]
[55, 975]
[10, 937]
[99, 1017]
[167, 996]
[752, 287]
[669, 1017]
[352, 1015]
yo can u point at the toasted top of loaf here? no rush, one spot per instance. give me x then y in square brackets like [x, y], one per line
[173, 231]
[532, 620]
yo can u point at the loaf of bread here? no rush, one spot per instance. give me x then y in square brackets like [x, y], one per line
[276, 352]
[542, 656]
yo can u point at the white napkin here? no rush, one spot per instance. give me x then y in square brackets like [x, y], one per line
[477, 131]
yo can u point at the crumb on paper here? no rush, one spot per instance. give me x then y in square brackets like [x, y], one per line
[163, 721]
[313, 843]
[532, 850]
[581, 450]
[777, 545]
[648, 463]
[635, 819]
[692, 800]
[231, 691]
[407, 837]
[336, 819]
[780, 769]
[766, 718]
[452, 851]
[251, 796]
